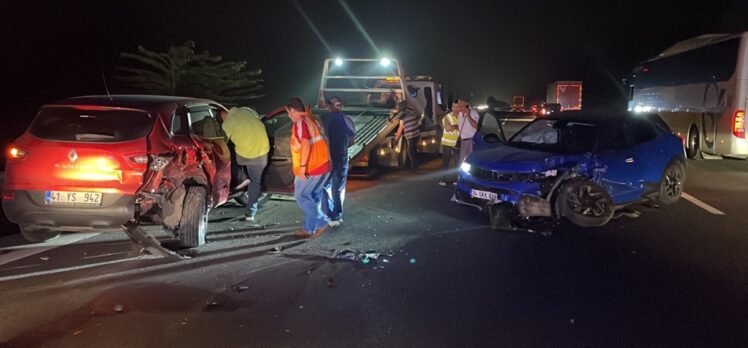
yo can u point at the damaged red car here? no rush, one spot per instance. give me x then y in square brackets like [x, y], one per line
[98, 163]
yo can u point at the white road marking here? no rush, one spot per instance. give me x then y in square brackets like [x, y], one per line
[74, 268]
[24, 251]
[702, 205]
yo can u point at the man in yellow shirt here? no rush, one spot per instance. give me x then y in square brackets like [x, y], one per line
[245, 129]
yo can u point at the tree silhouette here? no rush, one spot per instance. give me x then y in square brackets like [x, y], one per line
[182, 71]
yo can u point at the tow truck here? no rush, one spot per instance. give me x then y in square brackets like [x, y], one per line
[371, 89]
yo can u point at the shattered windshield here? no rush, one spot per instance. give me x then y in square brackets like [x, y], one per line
[559, 136]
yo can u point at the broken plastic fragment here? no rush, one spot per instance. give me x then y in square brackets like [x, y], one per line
[119, 308]
[44, 258]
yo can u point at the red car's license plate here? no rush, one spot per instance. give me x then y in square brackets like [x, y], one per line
[73, 198]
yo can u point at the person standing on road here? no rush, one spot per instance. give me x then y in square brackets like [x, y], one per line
[468, 125]
[410, 123]
[340, 132]
[245, 129]
[311, 166]
[450, 135]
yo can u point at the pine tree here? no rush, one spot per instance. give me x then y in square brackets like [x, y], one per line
[181, 71]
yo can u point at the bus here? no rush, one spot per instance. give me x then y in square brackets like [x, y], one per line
[699, 87]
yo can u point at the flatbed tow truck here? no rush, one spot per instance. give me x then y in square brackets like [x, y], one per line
[371, 89]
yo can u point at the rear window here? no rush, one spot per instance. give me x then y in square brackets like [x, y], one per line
[90, 125]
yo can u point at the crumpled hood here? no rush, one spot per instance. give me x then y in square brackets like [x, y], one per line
[505, 158]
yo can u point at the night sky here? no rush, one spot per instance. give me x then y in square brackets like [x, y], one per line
[56, 49]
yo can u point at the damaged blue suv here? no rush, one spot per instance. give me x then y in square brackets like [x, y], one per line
[580, 166]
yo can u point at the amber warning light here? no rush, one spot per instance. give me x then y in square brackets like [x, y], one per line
[16, 152]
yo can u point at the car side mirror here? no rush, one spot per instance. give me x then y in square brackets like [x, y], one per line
[491, 138]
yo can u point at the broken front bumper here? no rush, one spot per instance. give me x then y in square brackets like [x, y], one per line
[527, 205]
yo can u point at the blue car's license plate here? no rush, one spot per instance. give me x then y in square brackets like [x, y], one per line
[484, 195]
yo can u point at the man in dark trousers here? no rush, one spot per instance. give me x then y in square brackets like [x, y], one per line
[340, 132]
[410, 123]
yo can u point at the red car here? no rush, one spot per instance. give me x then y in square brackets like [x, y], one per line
[97, 163]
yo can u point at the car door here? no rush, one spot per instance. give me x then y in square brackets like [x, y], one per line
[216, 160]
[279, 173]
[651, 150]
[490, 132]
[616, 162]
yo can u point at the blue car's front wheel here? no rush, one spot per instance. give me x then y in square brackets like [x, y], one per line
[584, 203]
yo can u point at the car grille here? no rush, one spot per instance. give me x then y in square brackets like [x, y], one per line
[489, 175]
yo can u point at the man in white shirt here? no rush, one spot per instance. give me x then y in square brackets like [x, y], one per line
[467, 120]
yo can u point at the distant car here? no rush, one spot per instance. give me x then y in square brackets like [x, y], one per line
[546, 109]
[579, 166]
[97, 163]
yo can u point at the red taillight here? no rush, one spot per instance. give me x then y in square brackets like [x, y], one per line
[15, 152]
[738, 124]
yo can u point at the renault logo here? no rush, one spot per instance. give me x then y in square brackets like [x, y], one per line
[72, 156]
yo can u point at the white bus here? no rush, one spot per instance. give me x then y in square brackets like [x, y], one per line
[699, 87]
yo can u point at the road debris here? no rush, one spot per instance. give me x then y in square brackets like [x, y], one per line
[241, 288]
[77, 332]
[331, 283]
[412, 260]
[44, 258]
[364, 257]
[119, 308]
[144, 242]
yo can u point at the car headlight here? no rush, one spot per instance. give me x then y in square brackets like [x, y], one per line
[465, 167]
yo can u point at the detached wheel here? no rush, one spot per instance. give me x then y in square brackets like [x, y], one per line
[585, 204]
[38, 236]
[194, 222]
[693, 149]
[671, 184]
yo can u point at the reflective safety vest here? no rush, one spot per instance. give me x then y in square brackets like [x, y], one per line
[449, 138]
[319, 153]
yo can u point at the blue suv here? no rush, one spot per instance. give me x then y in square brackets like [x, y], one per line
[580, 166]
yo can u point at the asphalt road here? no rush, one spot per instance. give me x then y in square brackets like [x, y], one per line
[676, 276]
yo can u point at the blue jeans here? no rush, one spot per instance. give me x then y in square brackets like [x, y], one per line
[254, 169]
[308, 194]
[334, 189]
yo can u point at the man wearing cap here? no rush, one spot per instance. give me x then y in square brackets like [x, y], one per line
[340, 132]
[310, 156]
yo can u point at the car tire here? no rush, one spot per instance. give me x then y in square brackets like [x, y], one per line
[693, 143]
[193, 224]
[38, 235]
[671, 184]
[584, 203]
